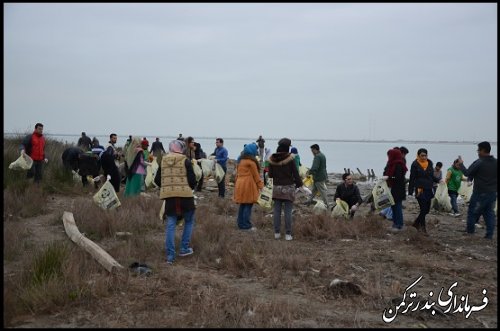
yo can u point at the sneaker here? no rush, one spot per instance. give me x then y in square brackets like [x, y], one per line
[288, 237]
[186, 252]
[394, 230]
[457, 214]
[170, 259]
[451, 214]
[277, 235]
[479, 226]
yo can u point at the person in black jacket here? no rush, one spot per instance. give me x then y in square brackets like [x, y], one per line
[84, 142]
[349, 192]
[286, 180]
[484, 193]
[199, 154]
[421, 183]
[74, 158]
[394, 174]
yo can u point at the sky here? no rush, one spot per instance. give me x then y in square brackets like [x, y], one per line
[380, 71]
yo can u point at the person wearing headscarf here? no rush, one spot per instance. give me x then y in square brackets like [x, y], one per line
[421, 183]
[286, 180]
[135, 168]
[394, 174]
[177, 180]
[296, 156]
[247, 185]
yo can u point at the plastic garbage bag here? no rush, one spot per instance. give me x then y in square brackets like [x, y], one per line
[265, 199]
[23, 162]
[106, 197]
[441, 200]
[218, 173]
[382, 196]
[198, 172]
[465, 191]
[341, 209]
[308, 181]
[207, 166]
[303, 171]
[151, 170]
[319, 207]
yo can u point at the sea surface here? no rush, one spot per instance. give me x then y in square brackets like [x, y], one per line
[339, 155]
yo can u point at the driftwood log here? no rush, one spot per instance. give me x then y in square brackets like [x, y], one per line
[91, 247]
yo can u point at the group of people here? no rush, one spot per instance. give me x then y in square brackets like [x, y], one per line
[423, 177]
[177, 181]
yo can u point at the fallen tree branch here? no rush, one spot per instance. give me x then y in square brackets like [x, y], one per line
[97, 252]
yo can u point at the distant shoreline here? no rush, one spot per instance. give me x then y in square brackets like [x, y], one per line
[399, 141]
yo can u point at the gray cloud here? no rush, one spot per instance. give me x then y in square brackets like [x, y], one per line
[326, 71]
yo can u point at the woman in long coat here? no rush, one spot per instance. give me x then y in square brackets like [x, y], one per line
[247, 185]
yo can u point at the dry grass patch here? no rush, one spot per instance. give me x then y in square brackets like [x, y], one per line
[14, 239]
[24, 203]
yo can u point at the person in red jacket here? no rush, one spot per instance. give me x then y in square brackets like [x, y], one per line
[34, 145]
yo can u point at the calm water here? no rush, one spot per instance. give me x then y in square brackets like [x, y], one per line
[339, 155]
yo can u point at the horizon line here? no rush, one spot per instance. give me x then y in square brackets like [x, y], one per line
[299, 139]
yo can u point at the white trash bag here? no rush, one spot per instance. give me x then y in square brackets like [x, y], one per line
[382, 197]
[207, 166]
[265, 199]
[106, 197]
[24, 162]
[198, 172]
[151, 170]
[218, 173]
[441, 200]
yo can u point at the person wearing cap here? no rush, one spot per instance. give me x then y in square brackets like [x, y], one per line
[286, 180]
[483, 172]
[176, 180]
[247, 185]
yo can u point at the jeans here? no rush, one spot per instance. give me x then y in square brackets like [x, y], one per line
[186, 233]
[387, 212]
[323, 190]
[288, 205]
[482, 204]
[244, 214]
[397, 215]
[222, 184]
[36, 171]
[453, 198]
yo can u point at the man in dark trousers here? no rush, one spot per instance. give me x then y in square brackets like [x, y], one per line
[34, 145]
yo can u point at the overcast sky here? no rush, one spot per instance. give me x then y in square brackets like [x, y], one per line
[418, 71]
